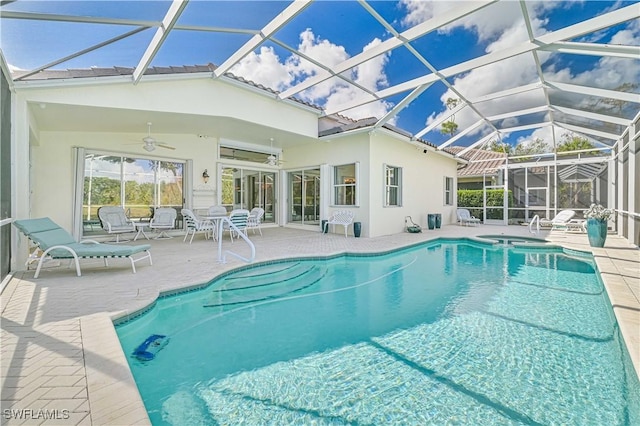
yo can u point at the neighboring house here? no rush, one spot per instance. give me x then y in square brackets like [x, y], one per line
[85, 141]
[483, 169]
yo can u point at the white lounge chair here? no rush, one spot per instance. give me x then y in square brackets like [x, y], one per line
[114, 221]
[164, 219]
[340, 217]
[193, 225]
[559, 221]
[465, 218]
[255, 219]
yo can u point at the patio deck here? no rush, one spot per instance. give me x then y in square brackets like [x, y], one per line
[61, 356]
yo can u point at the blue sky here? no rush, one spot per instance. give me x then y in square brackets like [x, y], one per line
[333, 31]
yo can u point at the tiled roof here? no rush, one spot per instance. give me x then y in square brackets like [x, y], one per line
[481, 162]
[94, 72]
[341, 124]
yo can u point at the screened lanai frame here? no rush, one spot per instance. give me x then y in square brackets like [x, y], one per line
[602, 112]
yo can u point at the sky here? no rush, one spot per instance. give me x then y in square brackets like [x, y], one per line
[331, 32]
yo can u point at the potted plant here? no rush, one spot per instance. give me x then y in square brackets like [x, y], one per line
[597, 217]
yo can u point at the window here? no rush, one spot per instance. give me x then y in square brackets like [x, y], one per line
[137, 184]
[392, 186]
[344, 185]
[448, 191]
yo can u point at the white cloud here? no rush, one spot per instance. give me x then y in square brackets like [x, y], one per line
[370, 75]
[268, 69]
[13, 68]
[263, 68]
[608, 72]
[488, 23]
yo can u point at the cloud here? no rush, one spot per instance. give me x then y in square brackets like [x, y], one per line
[264, 68]
[487, 23]
[268, 69]
[608, 72]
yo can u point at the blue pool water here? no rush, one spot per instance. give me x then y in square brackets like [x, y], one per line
[450, 332]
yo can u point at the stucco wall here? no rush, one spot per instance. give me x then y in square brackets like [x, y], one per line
[423, 178]
[422, 184]
[53, 169]
[343, 150]
[202, 97]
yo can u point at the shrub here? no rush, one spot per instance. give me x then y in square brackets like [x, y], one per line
[472, 199]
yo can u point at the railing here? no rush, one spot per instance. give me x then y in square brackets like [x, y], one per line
[536, 220]
[222, 258]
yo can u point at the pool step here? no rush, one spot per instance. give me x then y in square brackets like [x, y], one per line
[253, 278]
[296, 279]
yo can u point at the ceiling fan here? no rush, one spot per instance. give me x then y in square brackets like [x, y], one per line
[150, 143]
[272, 159]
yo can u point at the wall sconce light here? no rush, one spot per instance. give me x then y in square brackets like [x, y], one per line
[205, 176]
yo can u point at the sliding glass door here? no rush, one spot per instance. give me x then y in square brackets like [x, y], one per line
[304, 197]
[138, 184]
[243, 188]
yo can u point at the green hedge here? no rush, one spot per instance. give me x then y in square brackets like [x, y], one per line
[472, 199]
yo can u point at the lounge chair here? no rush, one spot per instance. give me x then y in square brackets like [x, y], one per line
[340, 217]
[255, 219]
[164, 219]
[193, 225]
[114, 221]
[56, 243]
[559, 221]
[465, 218]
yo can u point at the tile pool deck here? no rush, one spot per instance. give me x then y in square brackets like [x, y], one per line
[60, 356]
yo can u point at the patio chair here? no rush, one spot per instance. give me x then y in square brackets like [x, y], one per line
[559, 221]
[56, 243]
[340, 217]
[114, 221]
[194, 225]
[239, 218]
[255, 219]
[217, 211]
[465, 218]
[164, 219]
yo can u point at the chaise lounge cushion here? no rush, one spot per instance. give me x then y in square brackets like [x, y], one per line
[57, 243]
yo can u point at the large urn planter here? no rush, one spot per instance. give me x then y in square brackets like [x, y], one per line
[596, 232]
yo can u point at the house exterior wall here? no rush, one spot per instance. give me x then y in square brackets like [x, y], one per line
[342, 150]
[372, 151]
[190, 96]
[52, 177]
[422, 184]
[48, 165]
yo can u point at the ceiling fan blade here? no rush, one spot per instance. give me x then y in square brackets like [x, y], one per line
[162, 145]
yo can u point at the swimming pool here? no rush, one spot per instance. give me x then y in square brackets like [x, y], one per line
[449, 331]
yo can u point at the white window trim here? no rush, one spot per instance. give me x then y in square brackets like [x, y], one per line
[385, 186]
[357, 185]
[451, 190]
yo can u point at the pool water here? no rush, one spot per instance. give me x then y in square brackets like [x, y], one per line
[449, 332]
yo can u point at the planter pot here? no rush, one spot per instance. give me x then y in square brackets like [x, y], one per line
[596, 232]
[431, 221]
[438, 220]
[357, 229]
[323, 226]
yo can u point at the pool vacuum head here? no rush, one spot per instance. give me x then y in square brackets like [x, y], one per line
[413, 228]
[150, 347]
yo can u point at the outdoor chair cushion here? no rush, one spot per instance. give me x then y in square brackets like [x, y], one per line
[57, 243]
